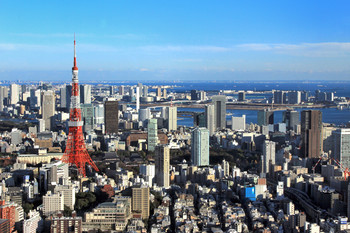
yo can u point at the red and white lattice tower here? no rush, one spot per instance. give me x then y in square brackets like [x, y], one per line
[76, 152]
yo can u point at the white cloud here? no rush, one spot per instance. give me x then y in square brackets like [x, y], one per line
[327, 49]
[185, 48]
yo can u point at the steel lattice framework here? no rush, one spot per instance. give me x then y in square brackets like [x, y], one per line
[76, 152]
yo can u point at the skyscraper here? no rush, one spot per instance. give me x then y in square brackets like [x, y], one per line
[85, 94]
[35, 98]
[14, 92]
[291, 118]
[48, 108]
[209, 116]
[268, 156]
[121, 90]
[341, 146]
[137, 99]
[241, 96]
[140, 201]
[159, 92]
[3, 97]
[163, 166]
[66, 93]
[238, 123]
[111, 117]
[280, 97]
[200, 147]
[145, 91]
[152, 134]
[311, 134]
[219, 102]
[172, 118]
[194, 95]
[294, 97]
[265, 117]
[140, 86]
[87, 114]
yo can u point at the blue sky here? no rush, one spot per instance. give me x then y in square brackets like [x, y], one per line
[175, 40]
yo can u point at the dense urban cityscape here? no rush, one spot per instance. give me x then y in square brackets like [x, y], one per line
[107, 158]
[174, 116]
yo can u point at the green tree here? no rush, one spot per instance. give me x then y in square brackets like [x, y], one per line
[91, 197]
[27, 206]
[67, 211]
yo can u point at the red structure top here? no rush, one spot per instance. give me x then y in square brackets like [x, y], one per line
[76, 153]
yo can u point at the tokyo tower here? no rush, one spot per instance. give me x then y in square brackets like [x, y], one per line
[76, 152]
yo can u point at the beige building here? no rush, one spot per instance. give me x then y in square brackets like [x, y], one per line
[140, 201]
[52, 203]
[328, 139]
[48, 108]
[35, 159]
[68, 193]
[163, 166]
[172, 118]
[109, 215]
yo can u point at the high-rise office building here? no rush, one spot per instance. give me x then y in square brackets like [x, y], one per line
[311, 134]
[164, 93]
[35, 98]
[238, 123]
[241, 96]
[152, 134]
[219, 102]
[121, 90]
[48, 108]
[87, 115]
[111, 117]
[85, 94]
[137, 99]
[14, 93]
[265, 117]
[341, 146]
[145, 91]
[200, 147]
[330, 96]
[199, 119]
[294, 97]
[67, 91]
[144, 114]
[194, 95]
[159, 92]
[268, 156]
[140, 86]
[202, 95]
[280, 97]
[3, 97]
[172, 118]
[291, 118]
[209, 117]
[163, 166]
[140, 201]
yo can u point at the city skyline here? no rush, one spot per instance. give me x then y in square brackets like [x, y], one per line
[176, 40]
